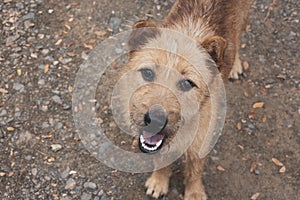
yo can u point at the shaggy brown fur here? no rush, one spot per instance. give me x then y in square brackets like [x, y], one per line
[216, 26]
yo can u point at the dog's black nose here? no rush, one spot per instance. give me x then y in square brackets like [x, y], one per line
[147, 119]
[155, 119]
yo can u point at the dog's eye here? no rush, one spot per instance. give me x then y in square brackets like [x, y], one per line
[185, 85]
[147, 74]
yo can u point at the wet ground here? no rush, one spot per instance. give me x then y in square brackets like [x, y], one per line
[43, 44]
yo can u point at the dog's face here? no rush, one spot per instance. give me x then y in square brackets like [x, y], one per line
[155, 111]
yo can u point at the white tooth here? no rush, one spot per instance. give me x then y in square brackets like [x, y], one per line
[158, 143]
[142, 138]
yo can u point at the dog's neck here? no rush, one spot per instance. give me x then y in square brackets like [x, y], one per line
[191, 18]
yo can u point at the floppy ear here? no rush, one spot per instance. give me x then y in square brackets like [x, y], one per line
[215, 46]
[144, 23]
[142, 31]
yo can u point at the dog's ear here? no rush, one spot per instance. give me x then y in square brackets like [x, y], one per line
[215, 46]
[142, 31]
[144, 23]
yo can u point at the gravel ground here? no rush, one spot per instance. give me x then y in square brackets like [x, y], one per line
[43, 44]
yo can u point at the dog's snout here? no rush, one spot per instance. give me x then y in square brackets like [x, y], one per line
[155, 118]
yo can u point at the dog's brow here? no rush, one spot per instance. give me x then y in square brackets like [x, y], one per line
[146, 65]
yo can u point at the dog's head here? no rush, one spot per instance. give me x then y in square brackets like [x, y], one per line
[164, 61]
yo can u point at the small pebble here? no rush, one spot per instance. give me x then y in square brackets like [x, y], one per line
[65, 173]
[66, 60]
[29, 157]
[57, 99]
[70, 184]
[27, 24]
[256, 171]
[45, 51]
[90, 186]
[104, 197]
[86, 196]
[3, 113]
[20, 5]
[56, 147]
[11, 39]
[19, 87]
[45, 125]
[41, 81]
[34, 171]
[66, 107]
[114, 23]
[28, 16]
[58, 126]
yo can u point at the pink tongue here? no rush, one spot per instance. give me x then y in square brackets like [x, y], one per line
[152, 139]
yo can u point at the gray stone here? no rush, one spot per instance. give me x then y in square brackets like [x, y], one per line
[56, 147]
[251, 126]
[3, 113]
[34, 171]
[90, 186]
[12, 38]
[114, 23]
[41, 81]
[100, 193]
[65, 173]
[270, 81]
[28, 16]
[27, 24]
[20, 5]
[47, 178]
[256, 171]
[19, 87]
[86, 196]
[66, 60]
[45, 51]
[57, 99]
[58, 126]
[49, 58]
[104, 197]
[67, 107]
[45, 125]
[29, 157]
[9, 120]
[70, 184]
[44, 108]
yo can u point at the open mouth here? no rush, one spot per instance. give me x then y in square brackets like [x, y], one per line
[149, 142]
[151, 137]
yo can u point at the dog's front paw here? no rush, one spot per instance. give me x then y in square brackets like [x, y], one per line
[237, 69]
[157, 186]
[195, 196]
[195, 191]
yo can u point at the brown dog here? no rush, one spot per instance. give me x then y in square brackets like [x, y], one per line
[216, 26]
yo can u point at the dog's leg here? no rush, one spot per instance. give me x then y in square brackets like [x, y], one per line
[158, 183]
[194, 189]
[236, 68]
